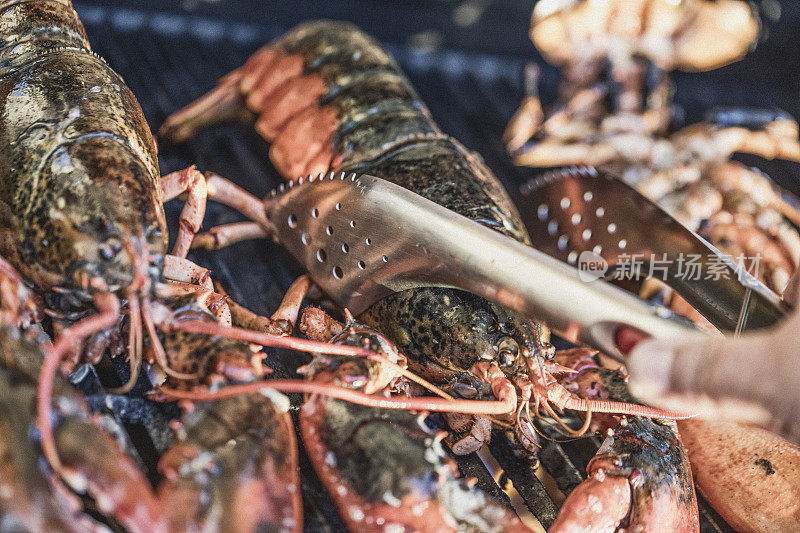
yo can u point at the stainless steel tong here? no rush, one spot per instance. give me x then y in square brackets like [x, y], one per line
[578, 210]
[362, 238]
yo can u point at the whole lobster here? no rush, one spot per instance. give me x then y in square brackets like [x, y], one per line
[329, 99]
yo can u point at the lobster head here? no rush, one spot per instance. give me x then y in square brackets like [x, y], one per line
[446, 331]
[96, 215]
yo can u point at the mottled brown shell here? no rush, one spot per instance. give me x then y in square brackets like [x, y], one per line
[78, 170]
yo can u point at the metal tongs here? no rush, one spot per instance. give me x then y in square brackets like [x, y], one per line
[582, 212]
[362, 238]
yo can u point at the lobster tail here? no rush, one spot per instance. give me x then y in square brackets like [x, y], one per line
[329, 98]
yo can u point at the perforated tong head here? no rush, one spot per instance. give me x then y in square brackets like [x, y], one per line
[581, 212]
[362, 238]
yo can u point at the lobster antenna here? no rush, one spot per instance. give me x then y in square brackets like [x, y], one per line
[422, 403]
[146, 313]
[134, 344]
[108, 305]
[266, 339]
[623, 408]
[158, 347]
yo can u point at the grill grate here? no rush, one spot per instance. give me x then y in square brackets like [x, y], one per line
[169, 60]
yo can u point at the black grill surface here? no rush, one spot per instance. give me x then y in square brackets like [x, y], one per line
[170, 56]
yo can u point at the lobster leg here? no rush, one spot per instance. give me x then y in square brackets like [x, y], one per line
[221, 236]
[227, 193]
[283, 319]
[191, 181]
[286, 314]
[555, 153]
[183, 270]
[768, 133]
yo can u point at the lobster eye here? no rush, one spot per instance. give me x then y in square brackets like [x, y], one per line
[547, 350]
[109, 250]
[507, 351]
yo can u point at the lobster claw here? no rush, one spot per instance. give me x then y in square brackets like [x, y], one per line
[639, 479]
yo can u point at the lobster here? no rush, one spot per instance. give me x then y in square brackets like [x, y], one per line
[630, 130]
[220, 446]
[329, 98]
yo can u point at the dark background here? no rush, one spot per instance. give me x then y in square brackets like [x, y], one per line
[482, 37]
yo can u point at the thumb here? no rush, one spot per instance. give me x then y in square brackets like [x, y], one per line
[690, 375]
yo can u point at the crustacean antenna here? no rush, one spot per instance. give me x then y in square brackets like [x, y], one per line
[419, 403]
[158, 348]
[140, 265]
[134, 323]
[623, 408]
[134, 344]
[9, 296]
[505, 405]
[108, 306]
[543, 387]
